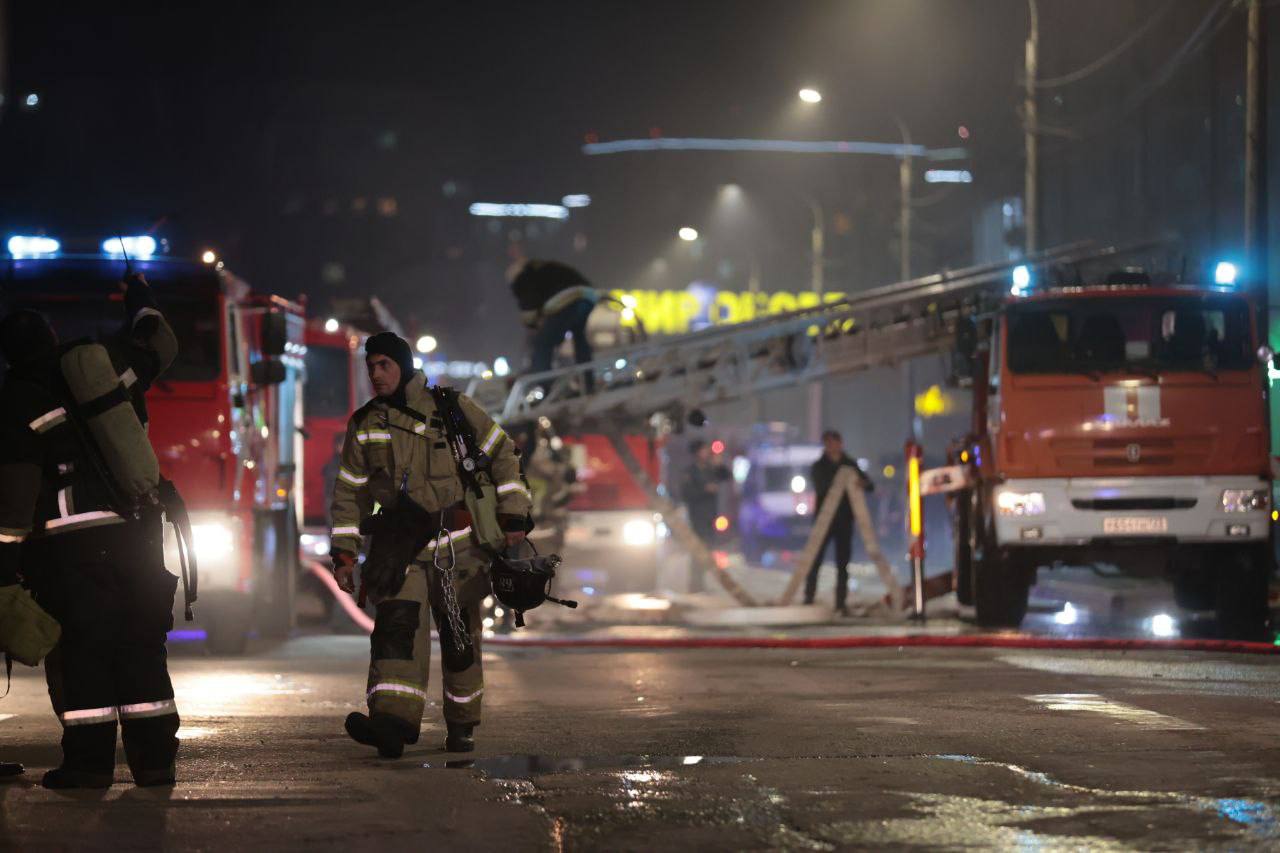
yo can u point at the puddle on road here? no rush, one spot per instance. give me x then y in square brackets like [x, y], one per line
[529, 766]
[599, 800]
[1247, 819]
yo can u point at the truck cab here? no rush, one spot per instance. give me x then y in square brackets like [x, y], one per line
[223, 418]
[1124, 424]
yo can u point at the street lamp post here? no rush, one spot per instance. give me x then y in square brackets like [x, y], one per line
[1030, 131]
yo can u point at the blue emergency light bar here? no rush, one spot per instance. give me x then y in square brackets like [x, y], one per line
[23, 246]
[1225, 274]
[1021, 280]
[142, 247]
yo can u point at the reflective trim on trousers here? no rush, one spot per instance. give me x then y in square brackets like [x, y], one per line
[345, 531]
[454, 537]
[462, 700]
[138, 710]
[392, 687]
[89, 716]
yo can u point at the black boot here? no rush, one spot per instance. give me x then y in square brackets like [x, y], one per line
[10, 768]
[459, 738]
[60, 778]
[389, 734]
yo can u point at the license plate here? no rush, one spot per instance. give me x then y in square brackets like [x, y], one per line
[1123, 525]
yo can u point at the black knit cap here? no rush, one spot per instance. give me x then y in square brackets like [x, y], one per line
[395, 348]
[26, 336]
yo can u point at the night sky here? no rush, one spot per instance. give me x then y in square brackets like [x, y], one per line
[333, 149]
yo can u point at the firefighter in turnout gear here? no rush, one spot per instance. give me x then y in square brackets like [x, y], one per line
[74, 461]
[400, 453]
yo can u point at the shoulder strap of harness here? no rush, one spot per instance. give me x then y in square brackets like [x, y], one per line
[461, 435]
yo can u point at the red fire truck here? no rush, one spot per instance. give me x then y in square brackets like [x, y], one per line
[224, 417]
[612, 539]
[337, 385]
[1120, 424]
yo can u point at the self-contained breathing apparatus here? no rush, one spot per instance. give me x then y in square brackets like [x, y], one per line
[113, 440]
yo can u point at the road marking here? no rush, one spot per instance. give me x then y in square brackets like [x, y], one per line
[1094, 704]
[4, 717]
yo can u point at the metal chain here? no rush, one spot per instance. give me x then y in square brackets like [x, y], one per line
[453, 612]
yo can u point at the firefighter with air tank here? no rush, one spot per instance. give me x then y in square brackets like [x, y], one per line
[447, 484]
[81, 500]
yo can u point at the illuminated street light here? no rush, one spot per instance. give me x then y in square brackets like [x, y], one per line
[536, 211]
[688, 234]
[426, 344]
[331, 325]
[209, 256]
[810, 96]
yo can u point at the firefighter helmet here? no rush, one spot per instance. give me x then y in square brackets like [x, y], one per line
[524, 583]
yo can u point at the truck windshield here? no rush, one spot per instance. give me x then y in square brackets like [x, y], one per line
[1142, 334]
[328, 383]
[85, 302]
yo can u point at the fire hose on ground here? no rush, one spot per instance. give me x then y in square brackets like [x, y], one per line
[974, 641]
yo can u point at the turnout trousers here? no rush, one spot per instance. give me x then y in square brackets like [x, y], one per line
[841, 533]
[109, 589]
[400, 654]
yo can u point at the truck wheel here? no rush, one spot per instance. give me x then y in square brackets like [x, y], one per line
[1244, 585]
[963, 548]
[1000, 591]
[226, 623]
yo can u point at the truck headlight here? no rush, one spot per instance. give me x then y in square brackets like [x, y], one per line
[212, 541]
[1244, 500]
[639, 531]
[1020, 503]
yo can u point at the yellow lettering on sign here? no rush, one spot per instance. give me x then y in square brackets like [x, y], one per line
[672, 312]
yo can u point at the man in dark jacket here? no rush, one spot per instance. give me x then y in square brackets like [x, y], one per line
[702, 501]
[555, 300]
[822, 475]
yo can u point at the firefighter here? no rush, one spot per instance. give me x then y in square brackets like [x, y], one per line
[821, 475]
[93, 558]
[555, 300]
[398, 453]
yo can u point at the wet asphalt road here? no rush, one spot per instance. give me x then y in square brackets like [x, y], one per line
[705, 750]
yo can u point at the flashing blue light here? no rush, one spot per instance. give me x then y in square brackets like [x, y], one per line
[1225, 273]
[134, 247]
[21, 246]
[1021, 280]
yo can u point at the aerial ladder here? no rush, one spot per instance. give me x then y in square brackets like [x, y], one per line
[629, 391]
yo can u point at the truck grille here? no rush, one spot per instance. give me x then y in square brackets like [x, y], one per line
[1109, 454]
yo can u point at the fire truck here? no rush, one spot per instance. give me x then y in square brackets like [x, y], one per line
[1119, 424]
[224, 418]
[337, 385]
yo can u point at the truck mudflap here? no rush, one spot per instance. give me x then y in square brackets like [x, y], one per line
[1099, 511]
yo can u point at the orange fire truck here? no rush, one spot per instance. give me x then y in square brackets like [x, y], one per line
[1122, 424]
[224, 418]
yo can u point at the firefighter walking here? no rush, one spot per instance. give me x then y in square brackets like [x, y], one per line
[79, 515]
[400, 452]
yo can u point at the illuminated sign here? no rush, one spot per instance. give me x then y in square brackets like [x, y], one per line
[674, 312]
[934, 402]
